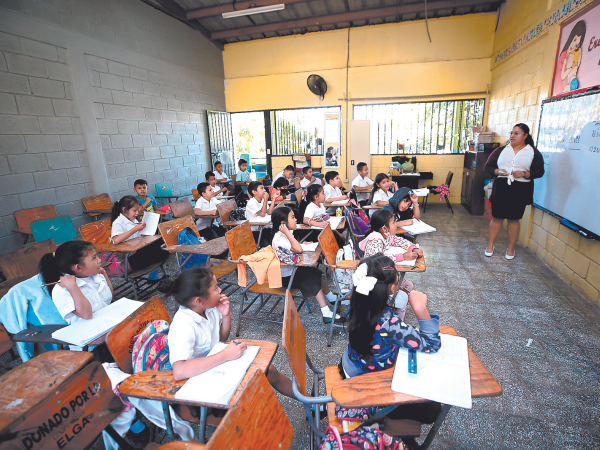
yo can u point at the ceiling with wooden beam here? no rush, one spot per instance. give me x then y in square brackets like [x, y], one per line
[307, 16]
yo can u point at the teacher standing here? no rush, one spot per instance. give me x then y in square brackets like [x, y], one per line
[514, 167]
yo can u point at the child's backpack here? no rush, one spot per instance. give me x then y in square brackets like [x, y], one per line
[116, 267]
[187, 236]
[358, 210]
[151, 348]
[362, 438]
[357, 225]
[344, 276]
[237, 214]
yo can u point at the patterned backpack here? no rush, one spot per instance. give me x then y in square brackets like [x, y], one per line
[151, 348]
[187, 236]
[362, 438]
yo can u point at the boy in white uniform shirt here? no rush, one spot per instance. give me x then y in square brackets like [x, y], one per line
[212, 180]
[257, 205]
[333, 193]
[207, 206]
[287, 173]
[362, 184]
[308, 178]
[219, 174]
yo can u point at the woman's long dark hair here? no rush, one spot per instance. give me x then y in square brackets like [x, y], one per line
[67, 255]
[126, 203]
[279, 216]
[366, 310]
[525, 129]
[578, 30]
[378, 179]
[311, 193]
[380, 218]
[190, 283]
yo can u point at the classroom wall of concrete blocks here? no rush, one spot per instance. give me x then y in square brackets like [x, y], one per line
[94, 95]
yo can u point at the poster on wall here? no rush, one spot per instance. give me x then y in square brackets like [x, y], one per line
[577, 65]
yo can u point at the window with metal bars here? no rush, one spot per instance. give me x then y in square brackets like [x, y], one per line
[301, 130]
[422, 128]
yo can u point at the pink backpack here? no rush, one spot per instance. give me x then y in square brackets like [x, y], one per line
[151, 348]
[362, 438]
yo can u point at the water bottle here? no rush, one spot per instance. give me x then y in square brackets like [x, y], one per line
[338, 212]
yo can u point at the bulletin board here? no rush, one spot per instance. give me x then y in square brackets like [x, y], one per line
[569, 140]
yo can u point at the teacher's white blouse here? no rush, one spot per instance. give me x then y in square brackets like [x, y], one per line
[519, 162]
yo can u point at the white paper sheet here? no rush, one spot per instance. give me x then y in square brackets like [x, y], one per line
[259, 219]
[334, 221]
[410, 174]
[340, 202]
[423, 192]
[220, 383]
[309, 247]
[409, 263]
[151, 220]
[418, 227]
[441, 377]
[83, 332]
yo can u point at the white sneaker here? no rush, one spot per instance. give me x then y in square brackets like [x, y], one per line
[509, 257]
[488, 254]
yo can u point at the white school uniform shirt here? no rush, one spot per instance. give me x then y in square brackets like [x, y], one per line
[304, 182]
[121, 225]
[281, 240]
[204, 205]
[362, 182]
[252, 207]
[191, 335]
[312, 210]
[331, 192]
[220, 176]
[94, 288]
[279, 175]
[519, 162]
[381, 196]
[215, 189]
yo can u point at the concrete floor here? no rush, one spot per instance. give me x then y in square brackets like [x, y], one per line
[551, 387]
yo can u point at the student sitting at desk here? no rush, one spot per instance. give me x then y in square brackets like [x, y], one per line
[308, 177]
[332, 190]
[381, 239]
[380, 195]
[311, 210]
[207, 206]
[309, 280]
[219, 174]
[279, 190]
[204, 319]
[147, 201]
[405, 206]
[211, 179]
[362, 184]
[242, 178]
[82, 286]
[376, 333]
[125, 226]
[257, 205]
[287, 173]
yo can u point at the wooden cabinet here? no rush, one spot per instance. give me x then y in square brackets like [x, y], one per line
[472, 196]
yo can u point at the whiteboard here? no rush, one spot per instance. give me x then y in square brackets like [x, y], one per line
[569, 140]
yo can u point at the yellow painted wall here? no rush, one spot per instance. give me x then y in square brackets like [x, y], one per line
[389, 60]
[519, 84]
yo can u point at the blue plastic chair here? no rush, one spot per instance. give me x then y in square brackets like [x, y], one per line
[60, 229]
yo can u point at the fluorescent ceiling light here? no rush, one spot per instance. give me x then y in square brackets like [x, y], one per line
[256, 10]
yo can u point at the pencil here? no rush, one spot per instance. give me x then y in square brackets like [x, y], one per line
[48, 284]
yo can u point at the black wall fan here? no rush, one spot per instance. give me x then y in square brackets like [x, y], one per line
[317, 85]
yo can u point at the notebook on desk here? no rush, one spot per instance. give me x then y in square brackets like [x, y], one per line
[333, 221]
[219, 383]
[312, 247]
[83, 332]
[441, 377]
[418, 227]
[258, 219]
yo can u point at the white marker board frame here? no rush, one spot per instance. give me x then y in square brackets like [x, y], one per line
[569, 140]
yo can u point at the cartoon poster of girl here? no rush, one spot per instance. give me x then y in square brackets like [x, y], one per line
[569, 61]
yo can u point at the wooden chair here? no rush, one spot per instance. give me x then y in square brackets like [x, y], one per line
[195, 194]
[182, 207]
[298, 195]
[241, 242]
[294, 345]
[448, 182]
[21, 264]
[61, 386]
[60, 229]
[24, 218]
[6, 343]
[163, 191]
[257, 421]
[224, 208]
[98, 233]
[120, 339]
[169, 232]
[100, 203]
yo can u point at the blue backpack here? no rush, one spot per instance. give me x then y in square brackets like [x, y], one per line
[187, 236]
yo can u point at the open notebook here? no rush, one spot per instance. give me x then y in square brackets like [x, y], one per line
[340, 202]
[441, 377]
[418, 227]
[334, 221]
[259, 219]
[309, 247]
[83, 332]
[219, 383]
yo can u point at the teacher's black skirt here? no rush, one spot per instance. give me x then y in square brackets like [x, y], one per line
[509, 201]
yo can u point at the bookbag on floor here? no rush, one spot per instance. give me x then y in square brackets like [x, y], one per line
[151, 348]
[188, 237]
[362, 438]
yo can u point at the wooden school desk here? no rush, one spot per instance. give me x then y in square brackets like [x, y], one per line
[42, 334]
[419, 267]
[161, 386]
[24, 218]
[375, 389]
